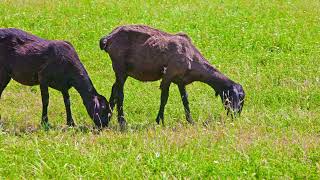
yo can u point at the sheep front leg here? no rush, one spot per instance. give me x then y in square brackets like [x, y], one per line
[119, 99]
[184, 98]
[66, 99]
[113, 97]
[45, 103]
[164, 98]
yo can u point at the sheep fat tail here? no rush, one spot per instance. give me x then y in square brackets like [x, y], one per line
[104, 43]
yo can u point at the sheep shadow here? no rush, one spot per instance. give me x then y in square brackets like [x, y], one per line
[14, 129]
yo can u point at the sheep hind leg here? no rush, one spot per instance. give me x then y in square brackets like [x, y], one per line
[4, 80]
[165, 85]
[45, 102]
[184, 98]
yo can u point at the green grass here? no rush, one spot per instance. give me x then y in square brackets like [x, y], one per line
[272, 48]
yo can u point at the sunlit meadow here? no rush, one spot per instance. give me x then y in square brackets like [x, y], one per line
[271, 47]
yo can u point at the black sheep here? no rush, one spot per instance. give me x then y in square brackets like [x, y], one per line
[31, 60]
[148, 54]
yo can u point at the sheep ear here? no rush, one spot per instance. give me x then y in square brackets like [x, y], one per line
[102, 101]
[96, 102]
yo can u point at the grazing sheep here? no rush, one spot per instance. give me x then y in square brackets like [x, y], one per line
[31, 61]
[148, 54]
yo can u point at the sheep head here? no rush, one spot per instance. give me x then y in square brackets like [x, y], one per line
[233, 99]
[101, 111]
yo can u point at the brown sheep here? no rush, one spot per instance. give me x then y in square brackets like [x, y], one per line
[31, 61]
[148, 54]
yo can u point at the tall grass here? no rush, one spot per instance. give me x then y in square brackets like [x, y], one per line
[270, 47]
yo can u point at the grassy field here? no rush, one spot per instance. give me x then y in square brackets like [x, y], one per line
[271, 47]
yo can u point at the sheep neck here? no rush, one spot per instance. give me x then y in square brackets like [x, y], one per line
[87, 92]
[214, 78]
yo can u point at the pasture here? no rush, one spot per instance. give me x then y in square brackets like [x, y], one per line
[272, 48]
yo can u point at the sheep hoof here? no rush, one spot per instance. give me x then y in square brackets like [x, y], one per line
[122, 123]
[46, 125]
[159, 118]
[190, 121]
[71, 123]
